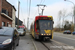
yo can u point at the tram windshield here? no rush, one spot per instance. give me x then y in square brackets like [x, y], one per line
[46, 24]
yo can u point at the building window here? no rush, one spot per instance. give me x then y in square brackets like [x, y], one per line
[3, 23]
[5, 11]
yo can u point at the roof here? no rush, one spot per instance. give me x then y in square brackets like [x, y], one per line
[14, 8]
[37, 17]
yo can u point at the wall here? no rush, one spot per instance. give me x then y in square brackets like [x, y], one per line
[6, 20]
[16, 20]
[0, 13]
[7, 6]
[13, 16]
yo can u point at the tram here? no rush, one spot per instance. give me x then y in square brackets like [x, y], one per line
[42, 27]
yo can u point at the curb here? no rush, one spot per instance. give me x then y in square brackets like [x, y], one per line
[34, 45]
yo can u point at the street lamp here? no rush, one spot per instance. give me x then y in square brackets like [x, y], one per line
[73, 11]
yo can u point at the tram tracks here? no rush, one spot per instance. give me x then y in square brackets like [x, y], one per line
[45, 45]
[48, 44]
[52, 45]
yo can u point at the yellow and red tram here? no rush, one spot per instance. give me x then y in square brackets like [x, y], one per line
[42, 27]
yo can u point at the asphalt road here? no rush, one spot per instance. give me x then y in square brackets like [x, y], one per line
[55, 44]
[67, 39]
[39, 45]
[27, 43]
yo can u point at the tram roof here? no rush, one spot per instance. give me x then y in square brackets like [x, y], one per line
[37, 17]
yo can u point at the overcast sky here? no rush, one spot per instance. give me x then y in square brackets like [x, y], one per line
[52, 8]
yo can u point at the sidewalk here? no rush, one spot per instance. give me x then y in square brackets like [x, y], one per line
[25, 43]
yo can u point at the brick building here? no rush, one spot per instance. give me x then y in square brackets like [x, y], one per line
[7, 14]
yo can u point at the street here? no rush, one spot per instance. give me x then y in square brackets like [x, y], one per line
[37, 25]
[28, 43]
[68, 39]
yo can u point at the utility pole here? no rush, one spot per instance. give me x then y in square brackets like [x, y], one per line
[18, 11]
[29, 14]
[60, 19]
[24, 21]
[42, 8]
[27, 22]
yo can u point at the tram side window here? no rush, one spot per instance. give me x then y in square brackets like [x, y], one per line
[37, 24]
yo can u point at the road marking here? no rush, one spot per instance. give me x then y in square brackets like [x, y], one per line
[63, 45]
[65, 37]
[60, 43]
[63, 34]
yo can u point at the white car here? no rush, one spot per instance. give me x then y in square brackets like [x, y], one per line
[21, 32]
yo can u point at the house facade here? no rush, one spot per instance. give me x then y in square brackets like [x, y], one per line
[13, 16]
[7, 14]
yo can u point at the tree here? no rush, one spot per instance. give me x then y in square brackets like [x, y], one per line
[62, 15]
[59, 14]
[67, 25]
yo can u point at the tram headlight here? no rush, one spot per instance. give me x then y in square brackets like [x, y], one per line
[49, 34]
[41, 34]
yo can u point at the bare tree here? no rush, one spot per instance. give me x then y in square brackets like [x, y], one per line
[59, 15]
[62, 15]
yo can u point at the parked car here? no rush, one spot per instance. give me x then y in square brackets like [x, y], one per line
[73, 33]
[67, 32]
[21, 31]
[9, 38]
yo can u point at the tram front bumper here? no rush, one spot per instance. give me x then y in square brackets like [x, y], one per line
[44, 36]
